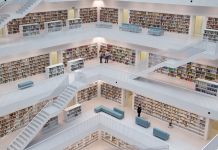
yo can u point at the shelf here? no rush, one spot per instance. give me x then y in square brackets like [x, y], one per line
[72, 112]
[30, 29]
[38, 17]
[207, 87]
[181, 118]
[74, 23]
[52, 123]
[109, 15]
[23, 68]
[212, 23]
[211, 35]
[88, 93]
[111, 92]
[155, 59]
[54, 26]
[88, 15]
[119, 54]
[75, 64]
[87, 52]
[169, 22]
[55, 70]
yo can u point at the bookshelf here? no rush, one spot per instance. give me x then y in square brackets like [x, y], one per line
[88, 15]
[19, 69]
[87, 52]
[169, 22]
[181, 118]
[107, 137]
[88, 93]
[72, 112]
[91, 138]
[54, 26]
[111, 92]
[207, 87]
[109, 15]
[74, 23]
[119, 54]
[38, 17]
[30, 29]
[211, 35]
[51, 124]
[155, 59]
[212, 23]
[191, 71]
[18, 119]
[55, 70]
[75, 64]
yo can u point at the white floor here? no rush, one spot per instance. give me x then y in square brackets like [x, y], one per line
[100, 145]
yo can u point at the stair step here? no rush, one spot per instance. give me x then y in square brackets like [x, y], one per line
[26, 134]
[38, 121]
[18, 145]
[29, 131]
[59, 107]
[24, 138]
[20, 141]
[34, 124]
[42, 115]
[32, 128]
[44, 112]
[66, 94]
[59, 103]
[41, 119]
[13, 147]
[63, 97]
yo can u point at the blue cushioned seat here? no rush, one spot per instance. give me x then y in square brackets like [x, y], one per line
[108, 111]
[119, 110]
[161, 134]
[142, 122]
[25, 84]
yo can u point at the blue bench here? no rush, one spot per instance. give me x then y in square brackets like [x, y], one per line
[157, 31]
[25, 85]
[130, 27]
[142, 122]
[161, 134]
[119, 111]
[104, 25]
[108, 111]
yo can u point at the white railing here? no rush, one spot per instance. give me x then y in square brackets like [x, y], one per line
[137, 138]
[213, 144]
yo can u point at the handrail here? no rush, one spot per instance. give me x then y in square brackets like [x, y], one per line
[212, 145]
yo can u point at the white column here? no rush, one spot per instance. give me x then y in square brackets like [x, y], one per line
[98, 14]
[207, 127]
[99, 89]
[133, 100]
[137, 58]
[123, 98]
[192, 25]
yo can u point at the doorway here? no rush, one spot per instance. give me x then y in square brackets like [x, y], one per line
[54, 58]
[198, 24]
[127, 99]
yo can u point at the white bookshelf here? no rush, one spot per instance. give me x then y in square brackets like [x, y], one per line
[211, 34]
[30, 29]
[55, 70]
[75, 64]
[207, 87]
[88, 93]
[74, 23]
[72, 112]
[179, 117]
[54, 26]
[81, 144]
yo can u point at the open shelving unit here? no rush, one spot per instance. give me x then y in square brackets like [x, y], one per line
[107, 137]
[88, 15]
[72, 112]
[119, 54]
[75, 64]
[88, 93]
[55, 70]
[74, 23]
[191, 71]
[111, 92]
[207, 87]
[18, 119]
[93, 137]
[19, 69]
[211, 31]
[87, 52]
[179, 117]
[38, 17]
[168, 22]
[109, 15]
[54, 26]
[30, 29]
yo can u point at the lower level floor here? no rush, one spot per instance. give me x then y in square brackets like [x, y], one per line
[179, 138]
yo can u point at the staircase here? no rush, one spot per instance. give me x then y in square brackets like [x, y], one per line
[21, 12]
[37, 123]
